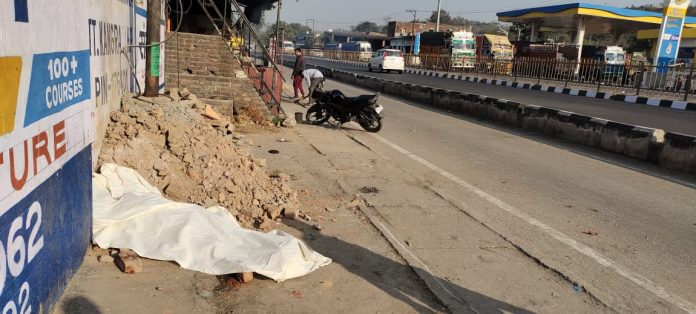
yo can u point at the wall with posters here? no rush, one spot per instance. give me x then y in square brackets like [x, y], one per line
[62, 71]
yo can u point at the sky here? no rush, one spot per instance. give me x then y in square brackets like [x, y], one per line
[341, 14]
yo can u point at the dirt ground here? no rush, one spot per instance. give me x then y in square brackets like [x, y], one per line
[367, 275]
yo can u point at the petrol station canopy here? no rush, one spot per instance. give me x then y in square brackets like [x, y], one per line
[596, 19]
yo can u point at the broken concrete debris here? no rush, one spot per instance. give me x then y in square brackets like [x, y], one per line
[210, 113]
[184, 93]
[289, 123]
[186, 149]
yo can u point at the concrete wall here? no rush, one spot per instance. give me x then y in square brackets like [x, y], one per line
[670, 150]
[61, 73]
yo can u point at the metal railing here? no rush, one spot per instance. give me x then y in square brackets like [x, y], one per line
[675, 81]
[246, 45]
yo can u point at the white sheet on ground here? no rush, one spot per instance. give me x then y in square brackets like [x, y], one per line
[131, 213]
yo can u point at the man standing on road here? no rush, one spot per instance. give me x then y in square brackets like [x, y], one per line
[297, 73]
[314, 79]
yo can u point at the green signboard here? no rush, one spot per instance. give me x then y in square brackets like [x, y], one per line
[155, 59]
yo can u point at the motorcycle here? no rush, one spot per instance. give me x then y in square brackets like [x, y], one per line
[334, 104]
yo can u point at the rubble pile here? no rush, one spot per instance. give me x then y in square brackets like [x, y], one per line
[187, 150]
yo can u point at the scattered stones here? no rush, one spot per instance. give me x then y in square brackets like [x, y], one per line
[289, 123]
[591, 232]
[157, 113]
[369, 190]
[318, 227]
[105, 259]
[206, 294]
[291, 213]
[327, 284]
[173, 93]
[129, 262]
[296, 293]
[274, 151]
[184, 93]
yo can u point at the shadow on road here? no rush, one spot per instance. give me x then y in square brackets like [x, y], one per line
[80, 304]
[385, 273]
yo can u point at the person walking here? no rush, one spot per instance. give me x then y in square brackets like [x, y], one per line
[315, 79]
[297, 74]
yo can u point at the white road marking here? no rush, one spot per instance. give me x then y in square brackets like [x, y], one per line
[638, 279]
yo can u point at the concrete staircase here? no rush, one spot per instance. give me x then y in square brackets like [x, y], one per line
[204, 65]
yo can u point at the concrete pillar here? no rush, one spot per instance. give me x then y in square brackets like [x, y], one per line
[534, 36]
[580, 40]
[616, 35]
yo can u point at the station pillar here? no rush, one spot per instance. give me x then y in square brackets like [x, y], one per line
[579, 41]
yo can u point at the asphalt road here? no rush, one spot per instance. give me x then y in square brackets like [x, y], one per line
[670, 120]
[623, 235]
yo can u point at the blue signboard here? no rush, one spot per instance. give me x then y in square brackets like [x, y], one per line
[670, 33]
[416, 45]
[669, 42]
[58, 81]
[44, 237]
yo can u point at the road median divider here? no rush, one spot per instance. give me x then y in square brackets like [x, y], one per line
[670, 150]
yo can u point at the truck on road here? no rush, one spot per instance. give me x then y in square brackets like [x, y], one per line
[357, 50]
[494, 53]
[447, 50]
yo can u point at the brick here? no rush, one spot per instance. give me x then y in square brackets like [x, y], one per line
[245, 277]
[129, 262]
[210, 113]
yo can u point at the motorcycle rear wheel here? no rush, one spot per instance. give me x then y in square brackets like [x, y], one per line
[370, 120]
[317, 115]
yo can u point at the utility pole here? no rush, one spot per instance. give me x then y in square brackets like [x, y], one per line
[413, 31]
[278, 43]
[312, 34]
[437, 25]
[152, 52]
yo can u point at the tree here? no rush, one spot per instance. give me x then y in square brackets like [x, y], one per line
[445, 17]
[292, 30]
[366, 27]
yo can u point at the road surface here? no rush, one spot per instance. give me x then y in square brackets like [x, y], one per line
[624, 236]
[670, 120]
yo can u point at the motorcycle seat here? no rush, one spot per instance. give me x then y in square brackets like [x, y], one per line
[362, 99]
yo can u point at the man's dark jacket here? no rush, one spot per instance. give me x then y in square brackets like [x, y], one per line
[299, 66]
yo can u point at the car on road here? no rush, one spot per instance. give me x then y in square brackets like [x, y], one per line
[387, 60]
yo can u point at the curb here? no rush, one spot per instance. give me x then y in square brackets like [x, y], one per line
[670, 150]
[632, 99]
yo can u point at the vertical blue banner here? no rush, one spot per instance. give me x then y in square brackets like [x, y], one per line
[669, 42]
[670, 33]
[416, 45]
